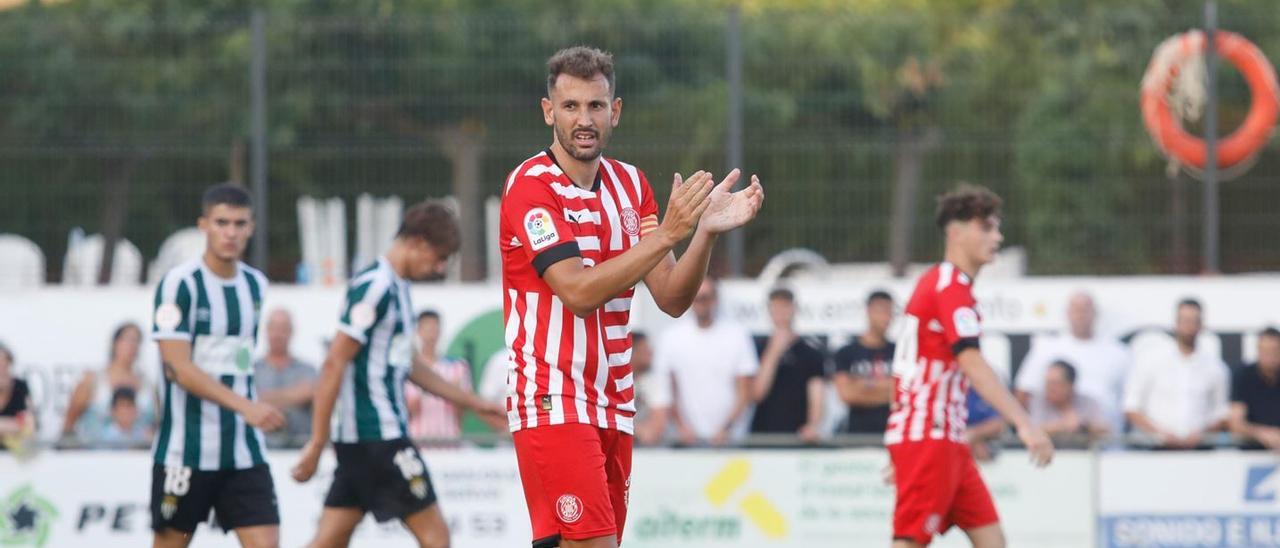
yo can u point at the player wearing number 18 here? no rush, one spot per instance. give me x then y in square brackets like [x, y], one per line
[379, 470]
[936, 359]
[209, 451]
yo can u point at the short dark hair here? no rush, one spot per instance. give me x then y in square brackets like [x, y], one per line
[428, 314]
[581, 62]
[1068, 370]
[967, 202]
[1191, 302]
[638, 336]
[433, 222]
[879, 295]
[124, 393]
[225, 194]
[1270, 332]
[782, 293]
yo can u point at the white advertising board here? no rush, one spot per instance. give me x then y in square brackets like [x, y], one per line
[811, 499]
[834, 498]
[1224, 498]
[56, 332]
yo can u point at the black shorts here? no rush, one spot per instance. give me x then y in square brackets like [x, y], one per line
[181, 497]
[387, 478]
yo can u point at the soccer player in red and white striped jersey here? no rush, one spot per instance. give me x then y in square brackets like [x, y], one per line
[578, 231]
[936, 359]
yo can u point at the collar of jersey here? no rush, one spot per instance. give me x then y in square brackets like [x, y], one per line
[384, 263]
[215, 277]
[595, 187]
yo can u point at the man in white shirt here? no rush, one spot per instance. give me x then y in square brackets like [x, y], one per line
[708, 365]
[1178, 393]
[1101, 363]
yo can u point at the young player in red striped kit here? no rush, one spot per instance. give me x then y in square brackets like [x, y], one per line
[936, 360]
[578, 232]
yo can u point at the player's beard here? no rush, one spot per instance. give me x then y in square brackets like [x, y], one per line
[566, 141]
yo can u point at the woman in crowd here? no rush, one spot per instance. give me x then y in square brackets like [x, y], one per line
[89, 411]
[17, 417]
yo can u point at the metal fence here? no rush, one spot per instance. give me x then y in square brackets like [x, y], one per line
[115, 117]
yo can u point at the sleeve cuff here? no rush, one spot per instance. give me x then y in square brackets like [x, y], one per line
[963, 344]
[352, 332]
[553, 255]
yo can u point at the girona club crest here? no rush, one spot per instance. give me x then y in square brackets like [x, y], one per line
[630, 221]
[569, 508]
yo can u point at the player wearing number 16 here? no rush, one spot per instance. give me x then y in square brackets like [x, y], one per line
[577, 232]
[936, 359]
[209, 452]
[379, 470]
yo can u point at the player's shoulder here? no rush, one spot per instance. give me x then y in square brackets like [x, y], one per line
[632, 172]
[375, 276]
[181, 273]
[626, 174]
[537, 171]
[254, 275]
[944, 278]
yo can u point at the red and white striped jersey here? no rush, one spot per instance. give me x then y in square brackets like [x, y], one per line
[940, 320]
[433, 417]
[562, 368]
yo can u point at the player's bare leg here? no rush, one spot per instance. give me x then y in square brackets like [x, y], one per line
[171, 538]
[900, 543]
[259, 536]
[336, 526]
[610, 541]
[429, 527]
[987, 536]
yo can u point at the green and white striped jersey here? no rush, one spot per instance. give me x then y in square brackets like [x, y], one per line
[378, 314]
[220, 318]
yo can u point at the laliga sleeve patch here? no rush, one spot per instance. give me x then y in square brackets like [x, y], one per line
[966, 322]
[362, 316]
[168, 316]
[540, 228]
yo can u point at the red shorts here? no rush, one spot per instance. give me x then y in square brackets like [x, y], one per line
[938, 485]
[576, 478]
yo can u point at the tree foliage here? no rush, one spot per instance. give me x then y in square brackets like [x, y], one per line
[1036, 98]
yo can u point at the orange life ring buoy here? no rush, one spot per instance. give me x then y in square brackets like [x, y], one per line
[1166, 129]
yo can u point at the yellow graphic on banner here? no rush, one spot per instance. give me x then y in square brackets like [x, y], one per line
[731, 479]
[727, 480]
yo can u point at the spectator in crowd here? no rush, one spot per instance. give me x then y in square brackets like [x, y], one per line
[1178, 393]
[125, 431]
[789, 387]
[863, 370]
[1255, 396]
[89, 410]
[285, 382]
[1102, 363]
[1070, 418]
[430, 416]
[704, 366]
[648, 431]
[984, 428]
[17, 414]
